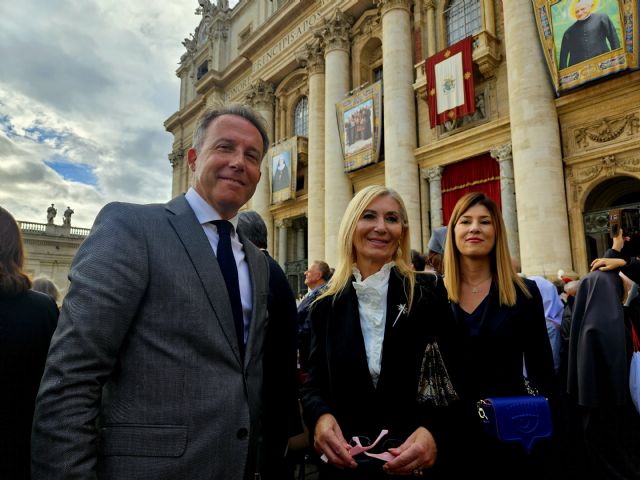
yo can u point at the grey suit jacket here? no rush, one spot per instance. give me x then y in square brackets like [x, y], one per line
[144, 377]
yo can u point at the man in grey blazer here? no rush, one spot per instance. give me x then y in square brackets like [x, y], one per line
[148, 375]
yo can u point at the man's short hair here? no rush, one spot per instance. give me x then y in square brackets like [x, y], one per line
[324, 269]
[252, 226]
[417, 260]
[239, 110]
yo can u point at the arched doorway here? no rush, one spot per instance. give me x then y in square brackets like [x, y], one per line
[617, 192]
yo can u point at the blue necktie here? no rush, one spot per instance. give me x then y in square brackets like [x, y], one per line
[227, 263]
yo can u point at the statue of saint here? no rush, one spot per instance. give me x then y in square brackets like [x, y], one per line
[51, 214]
[66, 220]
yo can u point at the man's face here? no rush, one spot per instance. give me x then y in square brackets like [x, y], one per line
[583, 10]
[227, 167]
[312, 276]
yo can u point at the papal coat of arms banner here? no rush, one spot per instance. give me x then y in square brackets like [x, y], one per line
[450, 92]
[359, 124]
[583, 40]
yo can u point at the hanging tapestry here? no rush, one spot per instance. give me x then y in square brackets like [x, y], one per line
[283, 166]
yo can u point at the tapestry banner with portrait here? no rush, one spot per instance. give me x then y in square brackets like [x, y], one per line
[359, 124]
[583, 40]
[283, 166]
[450, 90]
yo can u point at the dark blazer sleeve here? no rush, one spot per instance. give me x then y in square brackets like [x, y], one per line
[537, 349]
[108, 279]
[631, 269]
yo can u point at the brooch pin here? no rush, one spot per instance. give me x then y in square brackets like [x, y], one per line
[402, 310]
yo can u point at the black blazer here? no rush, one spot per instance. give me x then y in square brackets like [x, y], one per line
[339, 381]
[27, 322]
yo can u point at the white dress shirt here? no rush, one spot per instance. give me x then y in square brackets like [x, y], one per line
[372, 306]
[205, 214]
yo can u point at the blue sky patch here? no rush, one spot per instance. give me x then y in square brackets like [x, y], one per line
[7, 127]
[41, 135]
[74, 172]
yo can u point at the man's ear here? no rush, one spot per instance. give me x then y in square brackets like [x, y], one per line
[192, 155]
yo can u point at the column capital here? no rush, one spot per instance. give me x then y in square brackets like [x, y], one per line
[335, 33]
[176, 157]
[260, 94]
[429, 4]
[501, 153]
[386, 5]
[311, 57]
[433, 174]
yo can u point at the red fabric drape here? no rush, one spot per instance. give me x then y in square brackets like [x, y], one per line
[465, 46]
[479, 174]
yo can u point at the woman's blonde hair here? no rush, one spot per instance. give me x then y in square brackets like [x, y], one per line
[346, 249]
[501, 267]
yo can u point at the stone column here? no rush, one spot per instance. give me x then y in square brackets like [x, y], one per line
[537, 154]
[430, 7]
[401, 170]
[425, 206]
[334, 34]
[312, 57]
[434, 175]
[176, 160]
[503, 156]
[260, 96]
[282, 243]
[300, 240]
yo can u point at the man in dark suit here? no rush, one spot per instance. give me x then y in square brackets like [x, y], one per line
[156, 367]
[315, 278]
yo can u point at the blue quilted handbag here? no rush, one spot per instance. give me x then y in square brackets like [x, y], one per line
[523, 420]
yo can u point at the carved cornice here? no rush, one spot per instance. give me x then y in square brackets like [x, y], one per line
[385, 5]
[260, 94]
[311, 57]
[335, 33]
[606, 130]
[502, 153]
[429, 4]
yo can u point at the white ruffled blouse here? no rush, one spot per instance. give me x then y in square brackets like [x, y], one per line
[372, 306]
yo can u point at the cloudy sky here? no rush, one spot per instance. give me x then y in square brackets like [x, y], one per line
[85, 87]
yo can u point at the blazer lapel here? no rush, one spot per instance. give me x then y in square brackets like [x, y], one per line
[186, 226]
[259, 274]
[396, 322]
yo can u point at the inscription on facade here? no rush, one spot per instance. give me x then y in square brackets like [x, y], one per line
[286, 41]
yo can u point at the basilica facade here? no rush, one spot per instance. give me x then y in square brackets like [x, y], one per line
[555, 163]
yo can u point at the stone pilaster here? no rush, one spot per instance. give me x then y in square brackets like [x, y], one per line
[430, 9]
[334, 34]
[434, 175]
[312, 58]
[401, 169]
[176, 159]
[537, 154]
[282, 243]
[260, 96]
[502, 154]
[300, 241]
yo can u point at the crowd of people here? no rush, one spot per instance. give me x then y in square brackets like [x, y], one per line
[180, 351]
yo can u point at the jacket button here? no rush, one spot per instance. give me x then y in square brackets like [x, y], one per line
[242, 433]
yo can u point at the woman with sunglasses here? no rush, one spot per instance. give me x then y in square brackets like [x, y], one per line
[502, 320]
[381, 344]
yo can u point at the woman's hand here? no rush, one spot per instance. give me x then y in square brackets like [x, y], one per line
[606, 264]
[329, 441]
[418, 452]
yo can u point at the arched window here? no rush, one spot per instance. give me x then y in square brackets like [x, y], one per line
[301, 118]
[463, 19]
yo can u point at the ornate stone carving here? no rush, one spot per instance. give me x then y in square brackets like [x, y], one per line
[385, 5]
[479, 114]
[429, 4]
[502, 153]
[607, 166]
[607, 129]
[433, 174]
[260, 94]
[335, 33]
[176, 157]
[311, 57]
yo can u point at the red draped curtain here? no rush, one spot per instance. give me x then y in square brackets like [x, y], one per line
[478, 174]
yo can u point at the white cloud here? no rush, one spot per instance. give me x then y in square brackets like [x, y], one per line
[91, 82]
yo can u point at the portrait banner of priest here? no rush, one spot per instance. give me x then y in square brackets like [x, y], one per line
[359, 121]
[584, 40]
[283, 165]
